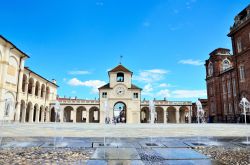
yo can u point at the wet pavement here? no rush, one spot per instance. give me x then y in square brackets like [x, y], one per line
[123, 151]
[174, 144]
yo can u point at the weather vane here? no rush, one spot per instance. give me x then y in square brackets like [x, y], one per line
[121, 59]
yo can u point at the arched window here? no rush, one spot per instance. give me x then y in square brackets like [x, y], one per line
[210, 69]
[226, 64]
[37, 88]
[24, 83]
[120, 77]
[30, 86]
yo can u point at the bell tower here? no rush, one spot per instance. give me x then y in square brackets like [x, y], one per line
[120, 75]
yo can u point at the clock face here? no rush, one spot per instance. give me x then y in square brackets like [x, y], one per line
[120, 91]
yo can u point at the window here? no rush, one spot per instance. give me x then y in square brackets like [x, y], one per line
[120, 77]
[234, 87]
[136, 96]
[226, 64]
[211, 91]
[210, 69]
[104, 94]
[242, 73]
[239, 46]
[235, 106]
[225, 108]
[212, 107]
[230, 108]
[229, 88]
[8, 104]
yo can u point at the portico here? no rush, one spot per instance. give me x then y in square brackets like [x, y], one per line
[120, 101]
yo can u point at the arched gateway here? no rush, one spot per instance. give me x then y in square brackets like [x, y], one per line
[120, 101]
[120, 112]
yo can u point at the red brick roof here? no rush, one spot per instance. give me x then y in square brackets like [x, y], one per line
[120, 68]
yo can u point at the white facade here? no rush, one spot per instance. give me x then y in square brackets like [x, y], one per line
[16, 101]
[120, 101]
[26, 96]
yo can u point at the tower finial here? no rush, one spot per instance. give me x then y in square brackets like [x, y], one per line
[121, 59]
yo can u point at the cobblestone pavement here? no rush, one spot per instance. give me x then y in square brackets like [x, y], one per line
[122, 130]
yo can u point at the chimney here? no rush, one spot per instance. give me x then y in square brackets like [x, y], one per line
[54, 81]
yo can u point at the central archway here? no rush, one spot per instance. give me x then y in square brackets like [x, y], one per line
[120, 112]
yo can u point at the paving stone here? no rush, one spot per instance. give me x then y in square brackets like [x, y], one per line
[191, 162]
[96, 162]
[22, 144]
[179, 153]
[175, 144]
[125, 162]
[116, 154]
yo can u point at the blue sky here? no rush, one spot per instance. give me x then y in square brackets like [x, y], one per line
[164, 42]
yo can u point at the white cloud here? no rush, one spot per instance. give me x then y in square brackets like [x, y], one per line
[182, 94]
[79, 72]
[164, 93]
[192, 62]
[94, 84]
[150, 76]
[189, 93]
[165, 85]
[73, 92]
[148, 88]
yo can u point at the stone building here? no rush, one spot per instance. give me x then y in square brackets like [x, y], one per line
[25, 96]
[228, 76]
[121, 99]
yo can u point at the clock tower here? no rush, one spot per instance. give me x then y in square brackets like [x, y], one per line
[120, 99]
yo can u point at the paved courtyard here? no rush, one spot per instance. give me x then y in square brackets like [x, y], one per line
[121, 144]
[124, 130]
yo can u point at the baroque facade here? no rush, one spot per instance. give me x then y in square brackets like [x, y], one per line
[228, 76]
[28, 97]
[25, 96]
[120, 100]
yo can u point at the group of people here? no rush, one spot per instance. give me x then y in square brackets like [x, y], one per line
[115, 120]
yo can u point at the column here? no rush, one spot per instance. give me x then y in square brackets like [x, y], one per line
[87, 116]
[177, 115]
[74, 115]
[37, 115]
[42, 115]
[47, 111]
[18, 111]
[165, 116]
[31, 114]
[23, 113]
[189, 115]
